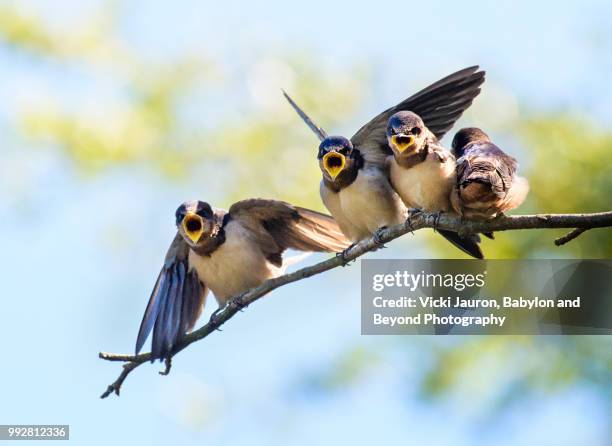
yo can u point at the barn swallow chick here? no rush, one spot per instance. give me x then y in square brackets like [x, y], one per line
[486, 183]
[227, 253]
[356, 187]
[422, 172]
[355, 191]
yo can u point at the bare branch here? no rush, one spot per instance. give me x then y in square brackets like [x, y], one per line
[418, 220]
[116, 386]
[570, 236]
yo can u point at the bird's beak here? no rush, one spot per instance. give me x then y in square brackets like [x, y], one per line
[193, 225]
[334, 163]
[402, 142]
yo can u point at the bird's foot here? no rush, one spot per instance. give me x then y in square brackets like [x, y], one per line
[377, 237]
[343, 255]
[168, 362]
[435, 219]
[237, 302]
[410, 214]
[214, 315]
[413, 212]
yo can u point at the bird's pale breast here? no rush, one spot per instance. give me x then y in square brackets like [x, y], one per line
[236, 266]
[365, 205]
[426, 185]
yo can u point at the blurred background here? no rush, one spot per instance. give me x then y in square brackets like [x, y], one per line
[113, 113]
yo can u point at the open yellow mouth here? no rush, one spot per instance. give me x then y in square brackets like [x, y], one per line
[193, 225]
[334, 163]
[402, 142]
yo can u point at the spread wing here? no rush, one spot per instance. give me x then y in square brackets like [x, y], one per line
[439, 105]
[175, 303]
[277, 225]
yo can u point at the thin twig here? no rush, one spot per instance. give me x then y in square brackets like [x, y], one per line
[570, 236]
[417, 220]
[116, 386]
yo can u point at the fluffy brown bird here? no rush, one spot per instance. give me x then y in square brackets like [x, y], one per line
[486, 182]
[227, 252]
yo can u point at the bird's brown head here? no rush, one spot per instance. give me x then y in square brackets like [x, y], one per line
[338, 159]
[406, 134]
[195, 222]
[467, 136]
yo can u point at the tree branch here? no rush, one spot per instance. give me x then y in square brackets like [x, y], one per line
[574, 233]
[417, 220]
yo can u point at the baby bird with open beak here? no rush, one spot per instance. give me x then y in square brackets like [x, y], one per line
[355, 191]
[356, 187]
[422, 172]
[228, 253]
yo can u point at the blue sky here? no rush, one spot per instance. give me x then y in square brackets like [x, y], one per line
[76, 274]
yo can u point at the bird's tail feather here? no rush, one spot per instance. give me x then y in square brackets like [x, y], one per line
[468, 244]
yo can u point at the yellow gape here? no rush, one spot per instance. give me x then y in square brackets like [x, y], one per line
[402, 142]
[193, 225]
[334, 163]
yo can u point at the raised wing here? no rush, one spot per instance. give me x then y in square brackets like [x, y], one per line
[278, 225]
[175, 303]
[439, 105]
[322, 134]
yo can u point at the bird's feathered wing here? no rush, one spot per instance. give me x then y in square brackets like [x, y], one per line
[277, 225]
[175, 303]
[439, 106]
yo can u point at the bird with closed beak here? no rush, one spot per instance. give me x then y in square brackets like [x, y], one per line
[356, 186]
[227, 252]
[486, 183]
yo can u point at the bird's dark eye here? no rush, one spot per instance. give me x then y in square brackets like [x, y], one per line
[321, 153]
[344, 150]
[205, 212]
[179, 217]
[415, 131]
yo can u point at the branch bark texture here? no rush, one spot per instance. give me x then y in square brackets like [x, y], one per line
[418, 220]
